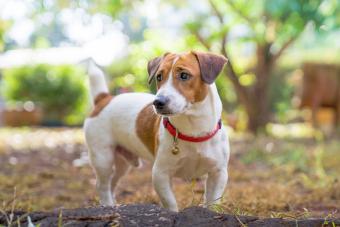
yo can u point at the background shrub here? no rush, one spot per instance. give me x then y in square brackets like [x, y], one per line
[59, 90]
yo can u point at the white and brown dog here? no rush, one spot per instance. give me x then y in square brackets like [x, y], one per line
[178, 129]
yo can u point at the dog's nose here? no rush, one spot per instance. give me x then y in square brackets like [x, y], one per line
[160, 101]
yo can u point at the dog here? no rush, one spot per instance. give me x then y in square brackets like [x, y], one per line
[179, 129]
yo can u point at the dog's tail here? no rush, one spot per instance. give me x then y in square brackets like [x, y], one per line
[97, 80]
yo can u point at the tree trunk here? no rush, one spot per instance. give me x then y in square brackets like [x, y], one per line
[256, 100]
[258, 111]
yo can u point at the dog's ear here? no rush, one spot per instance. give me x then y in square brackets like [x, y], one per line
[210, 65]
[153, 66]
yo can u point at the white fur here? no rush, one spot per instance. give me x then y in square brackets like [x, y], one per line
[177, 103]
[116, 125]
[97, 80]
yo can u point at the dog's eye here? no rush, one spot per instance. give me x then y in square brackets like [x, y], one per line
[184, 76]
[159, 77]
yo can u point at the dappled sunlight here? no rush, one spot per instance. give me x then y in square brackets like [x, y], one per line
[293, 130]
[40, 138]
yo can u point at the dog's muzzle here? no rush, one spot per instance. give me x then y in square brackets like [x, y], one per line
[161, 103]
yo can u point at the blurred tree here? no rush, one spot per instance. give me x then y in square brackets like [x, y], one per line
[270, 27]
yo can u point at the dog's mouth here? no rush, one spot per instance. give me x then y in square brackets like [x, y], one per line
[169, 113]
[165, 113]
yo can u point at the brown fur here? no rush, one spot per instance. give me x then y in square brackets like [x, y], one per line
[128, 156]
[102, 100]
[147, 126]
[195, 89]
[164, 68]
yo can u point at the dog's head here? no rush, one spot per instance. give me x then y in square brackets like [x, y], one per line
[183, 79]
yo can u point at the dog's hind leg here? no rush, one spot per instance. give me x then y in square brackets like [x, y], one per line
[102, 162]
[122, 167]
[101, 159]
[124, 160]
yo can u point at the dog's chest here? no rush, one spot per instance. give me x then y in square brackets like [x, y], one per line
[196, 160]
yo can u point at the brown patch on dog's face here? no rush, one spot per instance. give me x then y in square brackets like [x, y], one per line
[147, 127]
[164, 69]
[100, 102]
[194, 89]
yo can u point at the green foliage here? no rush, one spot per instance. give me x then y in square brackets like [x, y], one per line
[59, 90]
[290, 17]
[266, 20]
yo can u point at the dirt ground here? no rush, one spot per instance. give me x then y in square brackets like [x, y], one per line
[45, 169]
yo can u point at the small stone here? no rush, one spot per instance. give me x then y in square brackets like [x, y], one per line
[163, 219]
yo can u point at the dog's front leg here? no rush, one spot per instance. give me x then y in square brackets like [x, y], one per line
[215, 186]
[162, 184]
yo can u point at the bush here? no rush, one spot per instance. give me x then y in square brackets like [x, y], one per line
[59, 90]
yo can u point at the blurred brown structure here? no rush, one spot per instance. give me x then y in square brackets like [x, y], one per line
[321, 89]
[21, 117]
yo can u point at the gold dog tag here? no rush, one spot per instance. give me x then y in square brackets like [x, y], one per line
[175, 148]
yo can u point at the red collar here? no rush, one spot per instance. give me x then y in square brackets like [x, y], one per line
[172, 130]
